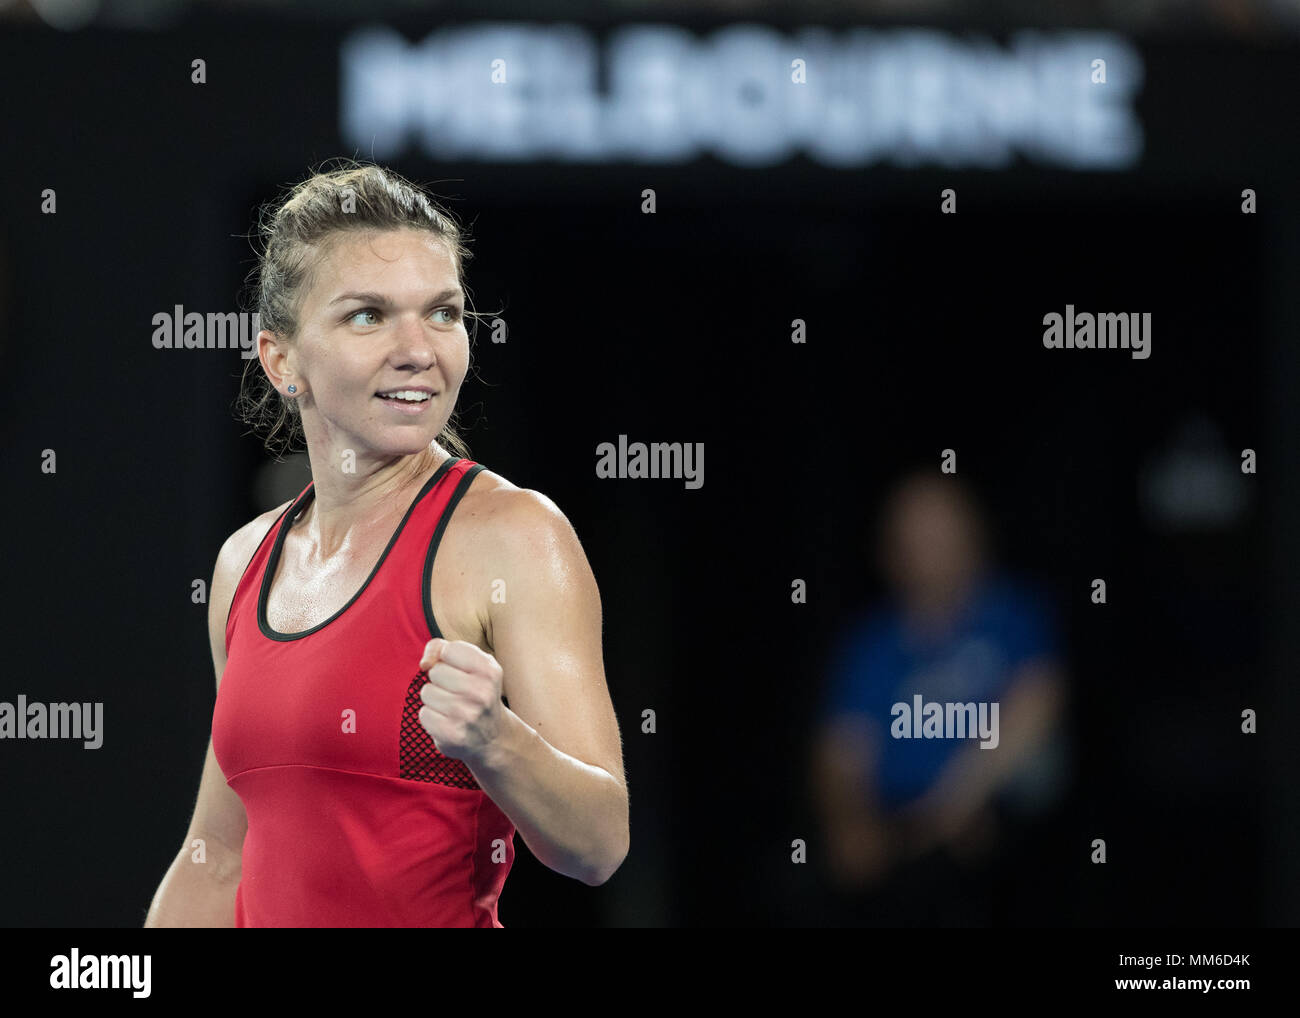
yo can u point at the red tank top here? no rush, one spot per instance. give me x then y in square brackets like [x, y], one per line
[354, 816]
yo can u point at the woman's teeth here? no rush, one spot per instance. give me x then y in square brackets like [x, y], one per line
[410, 395]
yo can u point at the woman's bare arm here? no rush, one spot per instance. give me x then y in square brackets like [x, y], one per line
[199, 886]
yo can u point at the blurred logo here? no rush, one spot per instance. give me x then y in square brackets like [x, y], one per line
[746, 93]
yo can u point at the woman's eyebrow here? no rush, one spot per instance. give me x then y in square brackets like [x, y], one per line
[379, 300]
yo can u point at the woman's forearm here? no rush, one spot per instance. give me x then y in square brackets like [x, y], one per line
[195, 894]
[573, 816]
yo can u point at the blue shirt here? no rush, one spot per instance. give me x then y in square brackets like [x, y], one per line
[1002, 626]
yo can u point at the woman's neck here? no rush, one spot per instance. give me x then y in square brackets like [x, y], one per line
[340, 500]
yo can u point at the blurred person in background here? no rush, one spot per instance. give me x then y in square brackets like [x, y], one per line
[917, 830]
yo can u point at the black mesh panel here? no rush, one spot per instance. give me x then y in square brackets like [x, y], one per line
[419, 758]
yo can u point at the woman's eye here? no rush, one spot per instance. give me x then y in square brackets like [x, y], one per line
[355, 317]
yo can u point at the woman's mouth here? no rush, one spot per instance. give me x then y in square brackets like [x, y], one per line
[406, 401]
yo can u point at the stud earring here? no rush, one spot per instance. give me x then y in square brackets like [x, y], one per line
[292, 389]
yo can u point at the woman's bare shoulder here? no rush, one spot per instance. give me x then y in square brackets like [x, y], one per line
[504, 525]
[493, 501]
[232, 560]
[240, 545]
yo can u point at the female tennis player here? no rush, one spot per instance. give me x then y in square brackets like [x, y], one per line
[408, 654]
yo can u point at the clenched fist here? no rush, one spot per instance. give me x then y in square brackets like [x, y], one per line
[462, 711]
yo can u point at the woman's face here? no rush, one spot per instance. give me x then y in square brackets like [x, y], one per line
[385, 313]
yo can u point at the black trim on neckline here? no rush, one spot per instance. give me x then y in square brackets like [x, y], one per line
[274, 559]
[462, 486]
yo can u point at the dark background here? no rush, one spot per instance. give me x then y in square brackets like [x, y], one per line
[924, 333]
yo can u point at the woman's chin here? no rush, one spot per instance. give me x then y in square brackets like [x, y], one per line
[402, 447]
[387, 440]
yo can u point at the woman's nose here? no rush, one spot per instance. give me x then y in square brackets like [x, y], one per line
[414, 344]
